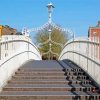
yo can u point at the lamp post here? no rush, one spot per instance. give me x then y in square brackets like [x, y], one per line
[49, 34]
[50, 51]
[73, 36]
[49, 43]
[50, 9]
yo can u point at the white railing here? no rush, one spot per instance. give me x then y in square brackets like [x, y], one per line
[85, 53]
[11, 44]
[15, 52]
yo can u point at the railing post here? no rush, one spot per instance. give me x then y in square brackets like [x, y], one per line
[98, 53]
[28, 49]
[73, 48]
[87, 53]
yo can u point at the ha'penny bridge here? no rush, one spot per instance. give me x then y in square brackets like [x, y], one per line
[25, 76]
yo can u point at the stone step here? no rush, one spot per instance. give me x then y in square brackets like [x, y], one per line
[51, 69]
[76, 69]
[77, 77]
[50, 73]
[47, 87]
[45, 95]
[39, 89]
[37, 85]
[49, 77]
[38, 82]
[74, 73]
[39, 77]
[41, 73]
[49, 82]
[40, 70]
[50, 85]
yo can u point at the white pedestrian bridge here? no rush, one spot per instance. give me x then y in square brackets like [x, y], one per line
[15, 50]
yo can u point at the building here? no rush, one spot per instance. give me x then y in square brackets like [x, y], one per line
[94, 32]
[94, 35]
[0, 31]
[7, 30]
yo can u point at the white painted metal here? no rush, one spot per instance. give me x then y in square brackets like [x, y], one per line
[50, 8]
[14, 51]
[11, 44]
[85, 53]
[49, 24]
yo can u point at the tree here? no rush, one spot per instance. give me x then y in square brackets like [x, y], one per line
[56, 36]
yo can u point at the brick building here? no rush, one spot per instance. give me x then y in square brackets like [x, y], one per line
[6, 30]
[94, 35]
[94, 32]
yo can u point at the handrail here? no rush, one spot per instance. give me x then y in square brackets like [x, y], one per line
[9, 41]
[98, 63]
[81, 41]
[12, 44]
[16, 55]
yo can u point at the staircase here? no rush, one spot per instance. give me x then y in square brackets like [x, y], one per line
[50, 80]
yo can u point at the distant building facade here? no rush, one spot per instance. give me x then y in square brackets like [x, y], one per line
[94, 35]
[94, 32]
[0, 30]
[6, 30]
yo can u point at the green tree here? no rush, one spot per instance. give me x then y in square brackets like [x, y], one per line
[56, 36]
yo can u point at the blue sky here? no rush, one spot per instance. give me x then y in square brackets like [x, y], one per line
[77, 15]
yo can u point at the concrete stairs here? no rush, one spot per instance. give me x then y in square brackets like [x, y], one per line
[50, 80]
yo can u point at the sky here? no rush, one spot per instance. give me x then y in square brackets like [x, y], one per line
[77, 15]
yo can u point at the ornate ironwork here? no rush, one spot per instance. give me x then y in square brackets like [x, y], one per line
[49, 24]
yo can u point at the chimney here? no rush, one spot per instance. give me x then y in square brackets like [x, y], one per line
[99, 23]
